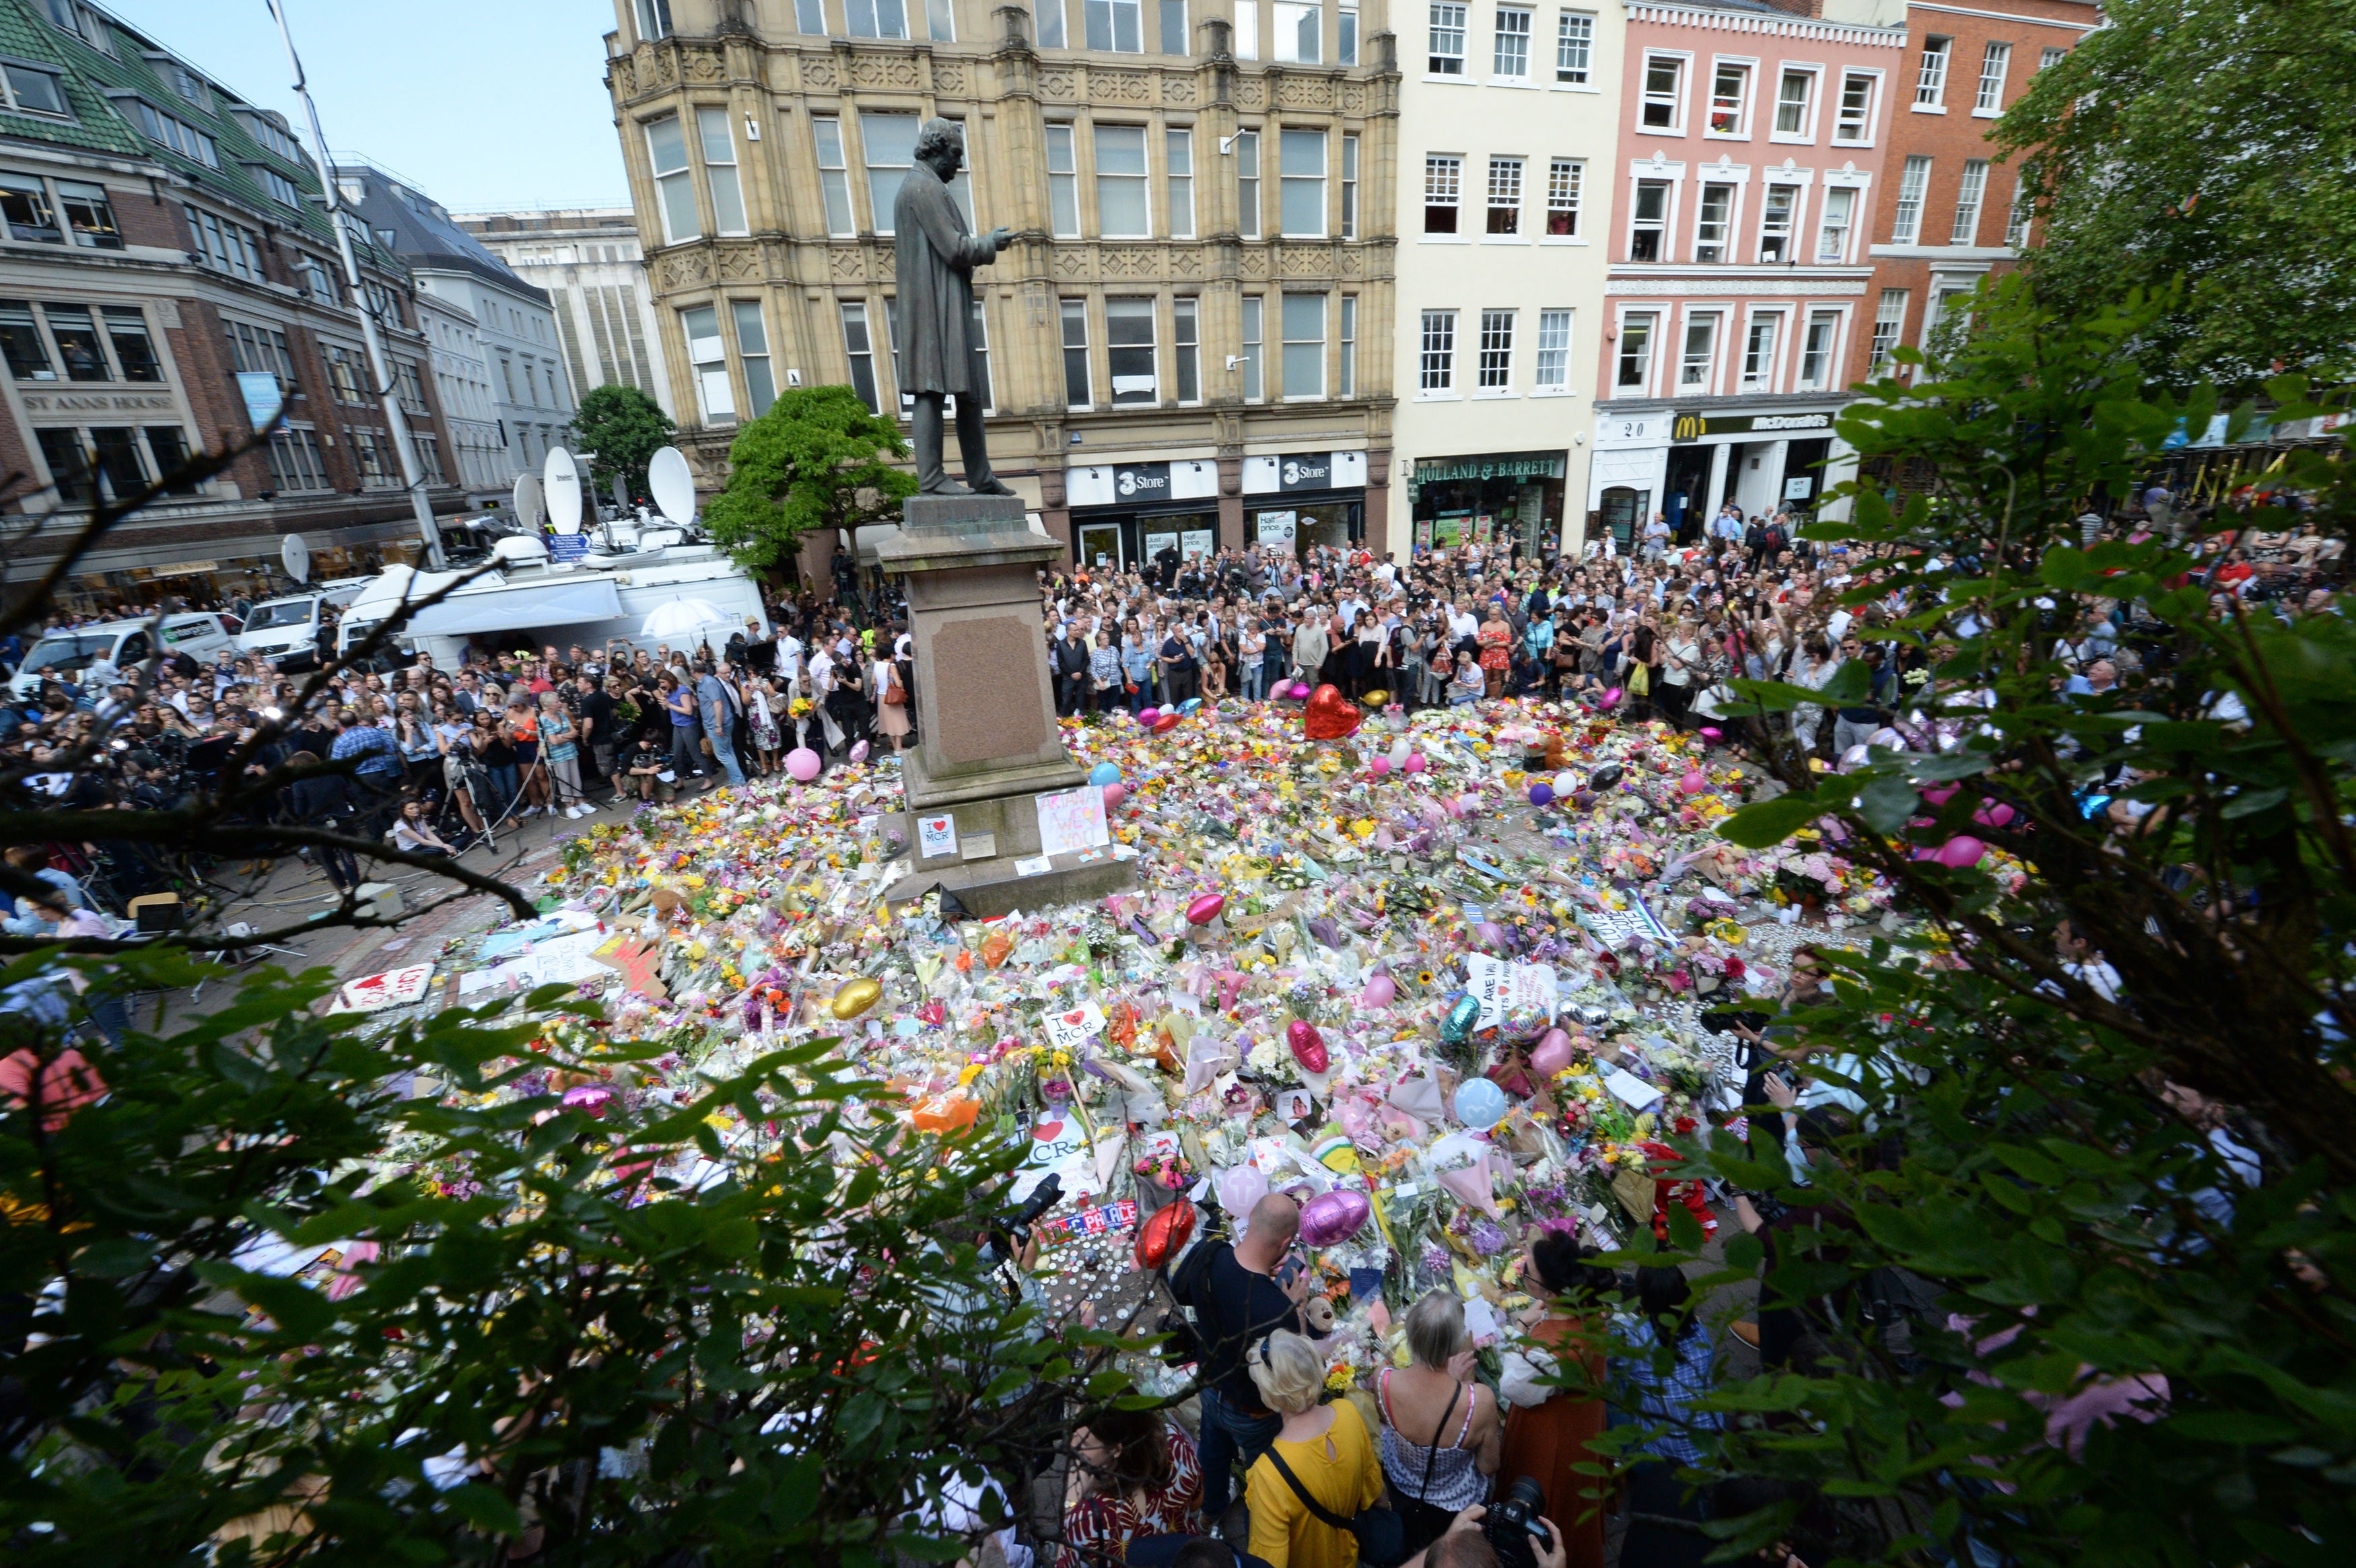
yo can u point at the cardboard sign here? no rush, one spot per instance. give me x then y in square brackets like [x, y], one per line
[1101, 1222]
[1071, 820]
[393, 988]
[1070, 1030]
[936, 837]
[1292, 1105]
[1505, 989]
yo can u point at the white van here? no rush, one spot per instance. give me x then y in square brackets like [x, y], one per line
[198, 633]
[288, 630]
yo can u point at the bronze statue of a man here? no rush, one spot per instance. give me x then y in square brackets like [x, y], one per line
[936, 257]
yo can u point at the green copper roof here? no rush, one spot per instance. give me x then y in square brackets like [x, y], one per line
[100, 85]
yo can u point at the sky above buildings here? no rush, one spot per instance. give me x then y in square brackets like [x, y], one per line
[480, 103]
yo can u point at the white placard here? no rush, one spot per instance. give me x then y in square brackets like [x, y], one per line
[936, 837]
[393, 988]
[1071, 820]
[1070, 1030]
[1035, 866]
[1631, 1091]
[1276, 528]
[1502, 988]
[1292, 1105]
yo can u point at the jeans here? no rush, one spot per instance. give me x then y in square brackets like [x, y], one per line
[686, 756]
[1847, 732]
[1254, 677]
[1229, 1434]
[722, 747]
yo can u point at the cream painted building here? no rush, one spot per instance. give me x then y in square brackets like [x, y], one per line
[1189, 342]
[1508, 125]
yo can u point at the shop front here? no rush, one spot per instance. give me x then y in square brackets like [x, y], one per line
[1684, 463]
[1126, 514]
[251, 569]
[1301, 500]
[1499, 499]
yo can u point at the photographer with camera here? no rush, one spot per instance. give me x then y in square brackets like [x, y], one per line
[1467, 1543]
[1550, 1426]
[1243, 1294]
[1441, 1428]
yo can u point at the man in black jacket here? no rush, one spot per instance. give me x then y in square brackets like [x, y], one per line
[1072, 672]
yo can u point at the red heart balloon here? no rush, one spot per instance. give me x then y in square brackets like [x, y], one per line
[1330, 715]
[1308, 1045]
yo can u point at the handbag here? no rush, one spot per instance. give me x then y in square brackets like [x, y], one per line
[892, 694]
[1381, 1537]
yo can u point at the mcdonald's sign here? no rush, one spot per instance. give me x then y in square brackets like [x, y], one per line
[1687, 426]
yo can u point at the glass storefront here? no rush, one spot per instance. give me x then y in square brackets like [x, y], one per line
[1128, 541]
[1498, 499]
[1299, 522]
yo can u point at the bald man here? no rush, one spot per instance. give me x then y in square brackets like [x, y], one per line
[1238, 1303]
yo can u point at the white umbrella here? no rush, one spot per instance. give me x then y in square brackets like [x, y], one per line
[682, 618]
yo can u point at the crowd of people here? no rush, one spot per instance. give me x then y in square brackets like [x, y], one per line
[439, 759]
[1656, 631]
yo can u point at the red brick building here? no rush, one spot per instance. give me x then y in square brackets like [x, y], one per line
[165, 270]
[1944, 214]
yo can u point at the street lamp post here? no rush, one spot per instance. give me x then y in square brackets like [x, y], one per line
[413, 476]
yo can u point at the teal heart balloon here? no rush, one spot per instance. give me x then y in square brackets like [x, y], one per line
[1460, 1021]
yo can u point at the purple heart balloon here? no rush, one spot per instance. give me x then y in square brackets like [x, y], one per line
[1335, 1216]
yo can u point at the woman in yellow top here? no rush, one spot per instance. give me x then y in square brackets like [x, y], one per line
[1327, 1449]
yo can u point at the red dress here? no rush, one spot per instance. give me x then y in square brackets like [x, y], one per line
[1096, 1532]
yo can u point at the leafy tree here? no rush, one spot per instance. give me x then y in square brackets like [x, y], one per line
[2131, 1341]
[818, 459]
[625, 428]
[620, 1324]
[2210, 140]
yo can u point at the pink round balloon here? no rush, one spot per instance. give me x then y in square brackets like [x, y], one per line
[1712, 733]
[1380, 991]
[1941, 795]
[1961, 850]
[1114, 794]
[1612, 697]
[1415, 764]
[1300, 691]
[802, 764]
[1148, 715]
[1490, 934]
[859, 752]
[1332, 1216]
[1692, 783]
[1379, 766]
[1205, 909]
[1552, 1053]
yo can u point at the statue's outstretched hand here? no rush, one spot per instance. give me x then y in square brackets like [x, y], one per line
[1000, 239]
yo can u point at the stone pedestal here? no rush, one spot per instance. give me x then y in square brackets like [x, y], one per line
[987, 741]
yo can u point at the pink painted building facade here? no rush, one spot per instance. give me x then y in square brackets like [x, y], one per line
[1748, 165]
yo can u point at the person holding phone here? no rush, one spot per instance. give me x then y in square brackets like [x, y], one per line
[1246, 1294]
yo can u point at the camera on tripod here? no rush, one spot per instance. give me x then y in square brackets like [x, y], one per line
[1512, 1527]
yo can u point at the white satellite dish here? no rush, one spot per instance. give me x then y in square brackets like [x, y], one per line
[296, 555]
[672, 486]
[527, 510]
[563, 480]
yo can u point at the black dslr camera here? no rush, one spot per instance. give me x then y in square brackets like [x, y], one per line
[1010, 1233]
[1510, 1525]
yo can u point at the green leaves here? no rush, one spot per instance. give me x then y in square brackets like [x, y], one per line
[1766, 822]
[818, 459]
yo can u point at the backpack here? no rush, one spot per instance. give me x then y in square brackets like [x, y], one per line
[1192, 1328]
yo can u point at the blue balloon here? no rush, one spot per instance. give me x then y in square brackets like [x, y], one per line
[1190, 704]
[1461, 1016]
[1104, 774]
[1480, 1104]
[1541, 794]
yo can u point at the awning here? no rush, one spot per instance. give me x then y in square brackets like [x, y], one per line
[523, 607]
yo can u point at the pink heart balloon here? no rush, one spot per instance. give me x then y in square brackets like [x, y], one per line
[1993, 813]
[1611, 699]
[1692, 783]
[1941, 795]
[1961, 851]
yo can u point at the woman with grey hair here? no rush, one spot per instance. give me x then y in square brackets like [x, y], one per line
[1441, 1431]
